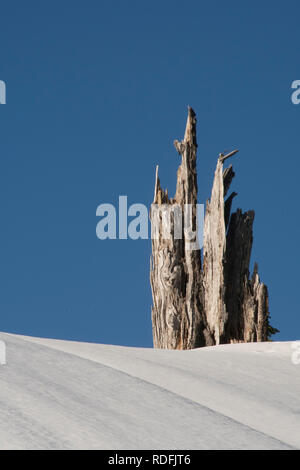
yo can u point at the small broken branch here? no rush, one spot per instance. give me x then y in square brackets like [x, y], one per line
[222, 157]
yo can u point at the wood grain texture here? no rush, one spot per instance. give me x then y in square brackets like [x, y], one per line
[196, 305]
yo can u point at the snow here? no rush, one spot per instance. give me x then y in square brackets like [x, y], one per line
[69, 395]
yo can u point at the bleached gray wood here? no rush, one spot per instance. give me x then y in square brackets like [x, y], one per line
[176, 278]
[197, 306]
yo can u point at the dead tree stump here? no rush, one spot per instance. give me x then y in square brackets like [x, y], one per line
[216, 303]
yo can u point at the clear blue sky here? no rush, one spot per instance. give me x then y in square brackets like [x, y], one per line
[96, 93]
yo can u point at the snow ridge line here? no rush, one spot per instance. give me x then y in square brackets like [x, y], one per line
[159, 387]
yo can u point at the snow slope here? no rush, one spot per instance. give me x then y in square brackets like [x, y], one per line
[69, 395]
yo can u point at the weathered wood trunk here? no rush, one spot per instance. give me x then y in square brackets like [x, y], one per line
[195, 306]
[177, 313]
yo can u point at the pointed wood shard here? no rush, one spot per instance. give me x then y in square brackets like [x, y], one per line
[228, 176]
[228, 204]
[177, 313]
[213, 258]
